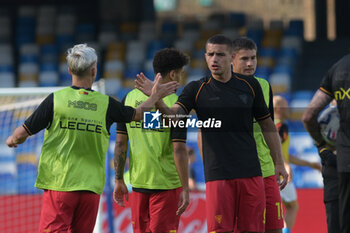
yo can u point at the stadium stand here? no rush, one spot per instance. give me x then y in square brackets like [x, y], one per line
[32, 53]
[127, 48]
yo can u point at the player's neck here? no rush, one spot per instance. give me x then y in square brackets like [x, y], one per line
[222, 78]
[166, 79]
[84, 82]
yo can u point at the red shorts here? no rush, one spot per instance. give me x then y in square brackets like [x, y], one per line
[236, 203]
[155, 212]
[274, 211]
[69, 211]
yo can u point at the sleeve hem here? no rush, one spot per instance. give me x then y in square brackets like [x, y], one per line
[264, 117]
[179, 140]
[326, 92]
[122, 132]
[183, 106]
[26, 129]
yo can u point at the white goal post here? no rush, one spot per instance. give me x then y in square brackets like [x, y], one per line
[39, 93]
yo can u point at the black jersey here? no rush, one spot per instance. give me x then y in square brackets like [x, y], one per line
[230, 151]
[336, 83]
[42, 116]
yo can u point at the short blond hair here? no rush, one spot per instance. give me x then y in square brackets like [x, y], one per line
[80, 58]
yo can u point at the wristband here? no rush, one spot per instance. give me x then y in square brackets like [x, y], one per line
[321, 144]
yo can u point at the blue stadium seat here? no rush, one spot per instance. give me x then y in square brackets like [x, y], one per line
[296, 126]
[302, 95]
[132, 71]
[26, 177]
[49, 66]
[85, 32]
[287, 96]
[8, 170]
[25, 30]
[24, 39]
[198, 164]
[28, 58]
[169, 31]
[289, 52]
[267, 52]
[6, 68]
[296, 28]
[153, 47]
[48, 78]
[65, 79]
[263, 72]
[122, 93]
[65, 40]
[283, 69]
[8, 184]
[256, 35]
[113, 85]
[236, 19]
[7, 79]
[49, 48]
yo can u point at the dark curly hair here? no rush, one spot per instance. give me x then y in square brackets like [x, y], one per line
[166, 60]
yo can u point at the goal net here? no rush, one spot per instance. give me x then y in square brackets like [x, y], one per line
[20, 201]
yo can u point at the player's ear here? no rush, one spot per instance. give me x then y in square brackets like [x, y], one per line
[172, 75]
[93, 71]
[233, 55]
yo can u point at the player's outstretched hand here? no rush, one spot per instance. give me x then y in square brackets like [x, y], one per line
[162, 90]
[144, 84]
[183, 202]
[120, 192]
[10, 142]
[281, 173]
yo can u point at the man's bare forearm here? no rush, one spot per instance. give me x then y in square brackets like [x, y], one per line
[181, 163]
[18, 137]
[309, 118]
[297, 161]
[273, 140]
[119, 164]
[121, 146]
[174, 113]
[163, 108]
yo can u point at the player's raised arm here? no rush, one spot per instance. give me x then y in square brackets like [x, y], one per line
[144, 84]
[158, 92]
[147, 86]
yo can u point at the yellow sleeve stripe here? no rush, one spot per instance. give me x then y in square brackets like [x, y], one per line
[325, 91]
[26, 128]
